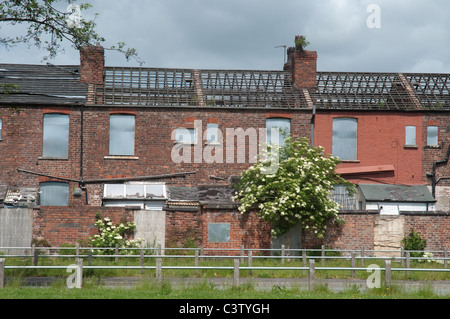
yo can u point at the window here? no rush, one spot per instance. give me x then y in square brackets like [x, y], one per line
[219, 233]
[54, 194]
[282, 130]
[212, 133]
[345, 132]
[410, 136]
[56, 135]
[145, 196]
[121, 135]
[432, 135]
[185, 135]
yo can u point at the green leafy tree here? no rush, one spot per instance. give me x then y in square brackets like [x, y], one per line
[48, 27]
[413, 241]
[297, 192]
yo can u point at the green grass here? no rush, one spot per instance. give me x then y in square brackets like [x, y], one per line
[186, 273]
[151, 290]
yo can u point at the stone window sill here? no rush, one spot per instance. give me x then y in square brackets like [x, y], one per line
[120, 157]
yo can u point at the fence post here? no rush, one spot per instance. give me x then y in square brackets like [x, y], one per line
[2, 273]
[90, 257]
[445, 256]
[304, 260]
[35, 257]
[250, 261]
[196, 260]
[283, 253]
[353, 265]
[362, 256]
[402, 254]
[387, 273]
[312, 270]
[408, 262]
[79, 274]
[159, 270]
[323, 255]
[236, 273]
[77, 250]
[141, 258]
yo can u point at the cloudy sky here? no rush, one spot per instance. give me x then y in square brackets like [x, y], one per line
[409, 36]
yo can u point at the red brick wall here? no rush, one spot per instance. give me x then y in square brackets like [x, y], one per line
[381, 139]
[153, 144]
[183, 229]
[245, 229]
[22, 145]
[434, 227]
[355, 233]
[433, 154]
[68, 225]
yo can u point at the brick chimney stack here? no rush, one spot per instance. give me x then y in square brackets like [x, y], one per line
[303, 65]
[92, 62]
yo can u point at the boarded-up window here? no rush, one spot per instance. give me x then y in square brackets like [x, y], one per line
[432, 135]
[54, 194]
[410, 135]
[345, 141]
[56, 135]
[121, 135]
[218, 232]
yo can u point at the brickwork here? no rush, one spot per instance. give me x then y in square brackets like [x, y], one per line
[381, 141]
[247, 230]
[434, 227]
[66, 225]
[154, 144]
[183, 229]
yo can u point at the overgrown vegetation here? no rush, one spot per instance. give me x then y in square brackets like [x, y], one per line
[414, 241]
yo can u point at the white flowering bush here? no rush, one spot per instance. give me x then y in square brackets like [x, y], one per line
[429, 258]
[111, 235]
[299, 190]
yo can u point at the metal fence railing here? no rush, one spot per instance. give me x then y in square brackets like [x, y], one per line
[242, 260]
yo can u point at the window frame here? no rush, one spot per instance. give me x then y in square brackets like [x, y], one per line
[436, 137]
[337, 139]
[66, 193]
[48, 142]
[192, 133]
[269, 127]
[115, 136]
[410, 136]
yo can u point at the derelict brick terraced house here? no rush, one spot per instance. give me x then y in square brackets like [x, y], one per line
[161, 147]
